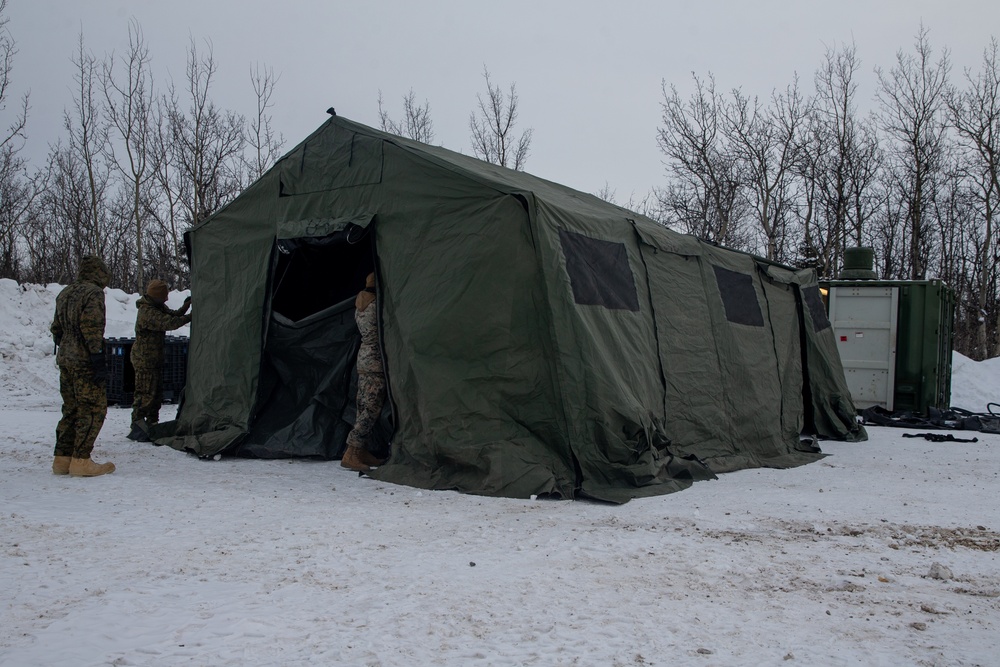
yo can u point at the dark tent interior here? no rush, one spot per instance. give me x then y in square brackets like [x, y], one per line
[308, 380]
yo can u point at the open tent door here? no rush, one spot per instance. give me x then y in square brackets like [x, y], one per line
[308, 380]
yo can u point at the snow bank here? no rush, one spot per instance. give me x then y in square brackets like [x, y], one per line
[974, 383]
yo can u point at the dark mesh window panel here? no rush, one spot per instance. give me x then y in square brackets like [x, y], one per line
[739, 297]
[599, 272]
[816, 308]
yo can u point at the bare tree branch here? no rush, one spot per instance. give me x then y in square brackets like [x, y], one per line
[129, 108]
[416, 122]
[492, 126]
[264, 144]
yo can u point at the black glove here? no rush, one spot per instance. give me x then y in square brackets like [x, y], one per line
[98, 368]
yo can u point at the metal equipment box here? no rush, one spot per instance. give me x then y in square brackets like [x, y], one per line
[864, 319]
[894, 339]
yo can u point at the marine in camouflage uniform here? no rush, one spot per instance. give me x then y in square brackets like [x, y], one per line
[151, 324]
[78, 331]
[371, 383]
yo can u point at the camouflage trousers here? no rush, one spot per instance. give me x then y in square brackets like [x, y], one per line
[148, 395]
[85, 405]
[371, 398]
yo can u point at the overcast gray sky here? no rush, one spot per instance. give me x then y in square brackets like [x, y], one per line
[588, 73]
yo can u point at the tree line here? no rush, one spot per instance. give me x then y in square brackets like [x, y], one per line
[803, 175]
[135, 167]
[797, 177]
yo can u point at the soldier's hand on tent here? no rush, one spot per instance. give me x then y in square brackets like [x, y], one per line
[98, 368]
[187, 301]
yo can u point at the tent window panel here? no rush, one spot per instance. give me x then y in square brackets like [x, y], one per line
[739, 297]
[599, 272]
[814, 302]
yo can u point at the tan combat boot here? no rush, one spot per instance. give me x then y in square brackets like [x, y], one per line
[87, 468]
[60, 465]
[368, 458]
[352, 460]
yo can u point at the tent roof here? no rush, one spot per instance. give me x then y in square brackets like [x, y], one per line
[500, 178]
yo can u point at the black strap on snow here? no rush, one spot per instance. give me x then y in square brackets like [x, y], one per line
[951, 419]
[939, 437]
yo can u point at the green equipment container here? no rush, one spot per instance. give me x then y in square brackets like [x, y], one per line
[923, 350]
[917, 352]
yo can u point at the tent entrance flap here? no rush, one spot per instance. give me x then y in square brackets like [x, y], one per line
[308, 377]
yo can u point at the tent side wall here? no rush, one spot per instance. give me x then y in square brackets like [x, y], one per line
[755, 324]
[607, 360]
[467, 339]
[831, 412]
[229, 256]
[731, 354]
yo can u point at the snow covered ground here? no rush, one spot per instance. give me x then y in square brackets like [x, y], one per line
[883, 553]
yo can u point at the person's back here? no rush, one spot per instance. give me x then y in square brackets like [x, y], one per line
[78, 332]
[152, 323]
[80, 319]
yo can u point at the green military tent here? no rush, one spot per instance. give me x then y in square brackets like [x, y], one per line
[537, 340]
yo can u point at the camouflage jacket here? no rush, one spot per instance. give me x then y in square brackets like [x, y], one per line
[151, 324]
[78, 326]
[369, 357]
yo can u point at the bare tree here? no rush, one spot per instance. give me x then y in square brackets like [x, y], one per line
[264, 144]
[171, 185]
[839, 164]
[889, 232]
[974, 113]
[129, 108]
[766, 143]
[121, 253]
[88, 142]
[865, 161]
[416, 122]
[911, 97]
[953, 257]
[210, 142]
[59, 230]
[492, 124]
[645, 206]
[16, 191]
[703, 197]
[836, 121]
[607, 193]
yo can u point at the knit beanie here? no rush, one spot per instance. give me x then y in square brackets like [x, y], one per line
[157, 291]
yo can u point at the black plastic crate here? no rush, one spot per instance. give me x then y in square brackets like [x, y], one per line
[175, 351]
[121, 373]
